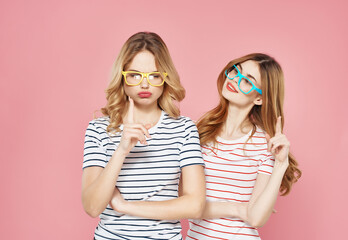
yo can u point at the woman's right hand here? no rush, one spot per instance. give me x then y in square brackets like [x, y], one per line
[132, 132]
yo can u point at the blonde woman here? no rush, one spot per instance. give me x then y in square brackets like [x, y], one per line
[135, 155]
[246, 154]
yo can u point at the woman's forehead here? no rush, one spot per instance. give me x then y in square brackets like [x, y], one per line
[250, 67]
[143, 61]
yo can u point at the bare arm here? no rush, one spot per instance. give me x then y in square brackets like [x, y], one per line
[224, 209]
[214, 210]
[98, 183]
[189, 205]
[266, 188]
[261, 204]
[265, 191]
[264, 195]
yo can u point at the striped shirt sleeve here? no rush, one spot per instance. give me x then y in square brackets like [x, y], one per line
[94, 153]
[267, 164]
[190, 152]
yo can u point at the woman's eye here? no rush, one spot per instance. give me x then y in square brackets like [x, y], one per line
[154, 76]
[246, 81]
[232, 73]
[135, 76]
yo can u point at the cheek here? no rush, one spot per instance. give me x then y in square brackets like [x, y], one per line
[253, 95]
[225, 92]
[159, 90]
[224, 87]
[127, 90]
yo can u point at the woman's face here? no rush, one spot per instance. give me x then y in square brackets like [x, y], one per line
[232, 92]
[143, 94]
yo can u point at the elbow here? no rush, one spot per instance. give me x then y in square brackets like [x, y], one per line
[91, 206]
[93, 214]
[256, 222]
[91, 210]
[255, 219]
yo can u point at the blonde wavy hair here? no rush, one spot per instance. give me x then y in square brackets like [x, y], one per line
[264, 116]
[117, 101]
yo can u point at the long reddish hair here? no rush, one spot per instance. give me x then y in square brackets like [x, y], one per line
[263, 116]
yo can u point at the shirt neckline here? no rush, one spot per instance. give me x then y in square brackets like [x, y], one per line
[244, 137]
[154, 128]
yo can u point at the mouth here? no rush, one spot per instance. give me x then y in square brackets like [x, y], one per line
[230, 88]
[144, 94]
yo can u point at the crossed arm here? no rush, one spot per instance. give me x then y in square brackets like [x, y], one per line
[260, 206]
[98, 184]
[98, 190]
[257, 211]
[189, 204]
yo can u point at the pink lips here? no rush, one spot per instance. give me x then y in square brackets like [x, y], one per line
[230, 87]
[144, 94]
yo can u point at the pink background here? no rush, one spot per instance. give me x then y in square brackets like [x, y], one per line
[56, 58]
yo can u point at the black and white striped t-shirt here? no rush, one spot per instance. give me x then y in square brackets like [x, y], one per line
[149, 173]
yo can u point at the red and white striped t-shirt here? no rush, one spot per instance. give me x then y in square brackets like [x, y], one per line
[231, 170]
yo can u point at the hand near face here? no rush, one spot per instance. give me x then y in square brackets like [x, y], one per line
[132, 132]
[279, 145]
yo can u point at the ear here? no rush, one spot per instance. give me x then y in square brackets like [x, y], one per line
[258, 101]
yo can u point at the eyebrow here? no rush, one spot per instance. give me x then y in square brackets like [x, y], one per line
[133, 70]
[248, 75]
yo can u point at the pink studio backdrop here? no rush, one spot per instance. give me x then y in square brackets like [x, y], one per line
[56, 58]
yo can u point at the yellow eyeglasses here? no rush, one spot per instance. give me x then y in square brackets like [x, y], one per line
[155, 79]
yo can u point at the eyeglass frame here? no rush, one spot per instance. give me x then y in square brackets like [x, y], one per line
[142, 77]
[241, 76]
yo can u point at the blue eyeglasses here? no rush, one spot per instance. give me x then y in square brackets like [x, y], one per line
[245, 85]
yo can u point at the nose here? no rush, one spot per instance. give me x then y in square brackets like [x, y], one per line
[144, 83]
[236, 79]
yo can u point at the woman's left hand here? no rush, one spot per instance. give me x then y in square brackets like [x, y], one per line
[117, 201]
[279, 145]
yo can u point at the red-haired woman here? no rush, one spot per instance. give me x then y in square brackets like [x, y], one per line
[246, 154]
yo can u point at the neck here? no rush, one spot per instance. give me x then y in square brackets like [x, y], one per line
[147, 114]
[237, 122]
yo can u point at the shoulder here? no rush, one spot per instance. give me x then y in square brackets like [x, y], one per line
[181, 120]
[183, 126]
[259, 141]
[99, 125]
[260, 132]
[191, 130]
[188, 123]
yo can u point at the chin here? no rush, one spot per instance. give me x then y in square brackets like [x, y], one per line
[146, 101]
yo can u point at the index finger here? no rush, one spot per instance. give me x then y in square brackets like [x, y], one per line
[130, 114]
[279, 125]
